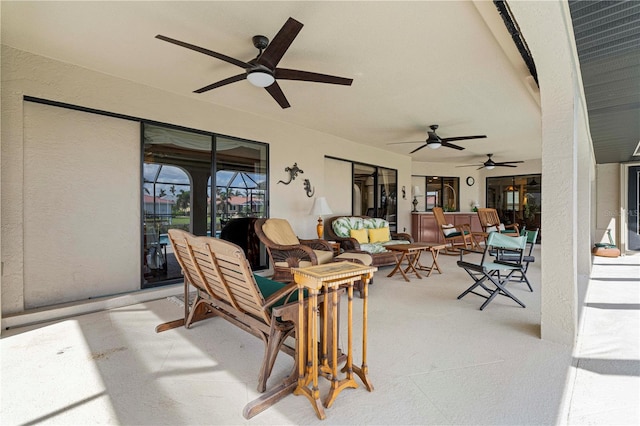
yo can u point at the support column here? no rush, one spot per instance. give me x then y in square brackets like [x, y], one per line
[547, 29]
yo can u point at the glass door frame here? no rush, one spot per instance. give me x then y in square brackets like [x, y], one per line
[210, 225]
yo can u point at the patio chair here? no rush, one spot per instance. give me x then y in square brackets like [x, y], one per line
[455, 236]
[528, 257]
[287, 251]
[490, 222]
[241, 231]
[490, 271]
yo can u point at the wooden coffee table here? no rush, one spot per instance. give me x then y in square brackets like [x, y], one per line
[412, 252]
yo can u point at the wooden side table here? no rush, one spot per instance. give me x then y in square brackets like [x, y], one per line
[329, 277]
[336, 247]
[434, 248]
[412, 252]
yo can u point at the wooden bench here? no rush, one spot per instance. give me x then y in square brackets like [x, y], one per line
[225, 286]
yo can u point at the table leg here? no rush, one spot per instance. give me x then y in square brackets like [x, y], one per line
[434, 264]
[363, 370]
[310, 372]
[412, 260]
[399, 268]
[338, 386]
[434, 255]
[324, 361]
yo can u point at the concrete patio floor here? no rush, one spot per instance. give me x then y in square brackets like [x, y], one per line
[433, 359]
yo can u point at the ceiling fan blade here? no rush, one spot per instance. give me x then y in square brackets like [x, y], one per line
[280, 43]
[450, 145]
[287, 74]
[502, 163]
[418, 148]
[399, 143]
[276, 92]
[462, 138]
[471, 165]
[216, 55]
[481, 167]
[221, 83]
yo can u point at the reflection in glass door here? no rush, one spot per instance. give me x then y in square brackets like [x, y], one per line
[177, 193]
[388, 199]
[517, 200]
[442, 192]
[241, 194]
[364, 190]
[176, 171]
[375, 193]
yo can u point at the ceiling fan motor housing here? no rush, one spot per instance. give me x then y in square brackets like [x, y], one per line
[260, 42]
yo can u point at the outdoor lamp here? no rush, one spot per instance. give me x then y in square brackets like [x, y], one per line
[320, 208]
[416, 193]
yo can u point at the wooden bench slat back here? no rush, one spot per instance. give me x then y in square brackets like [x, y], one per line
[181, 250]
[222, 270]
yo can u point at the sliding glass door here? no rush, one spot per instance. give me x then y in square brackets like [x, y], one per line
[179, 169]
[517, 199]
[375, 193]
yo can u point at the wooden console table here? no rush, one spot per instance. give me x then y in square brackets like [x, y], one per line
[424, 227]
[314, 279]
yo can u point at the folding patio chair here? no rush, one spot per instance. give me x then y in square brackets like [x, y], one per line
[528, 257]
[490, 271]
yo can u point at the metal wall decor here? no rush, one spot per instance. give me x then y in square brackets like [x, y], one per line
[293, 173]
[307, 187]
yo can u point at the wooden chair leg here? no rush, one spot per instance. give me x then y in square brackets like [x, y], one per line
[272, 345]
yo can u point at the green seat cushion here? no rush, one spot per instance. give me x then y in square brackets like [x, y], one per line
[457, 234]
[268, 287]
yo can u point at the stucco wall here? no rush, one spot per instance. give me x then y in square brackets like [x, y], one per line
[607, 202]
[27, 74]
[565, 158]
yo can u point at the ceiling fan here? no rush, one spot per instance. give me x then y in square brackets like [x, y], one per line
[490, 164]
[262, 71]
[434, 141]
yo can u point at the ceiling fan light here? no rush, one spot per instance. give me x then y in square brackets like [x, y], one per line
[260, 78]
[434, 145]
[490, 167]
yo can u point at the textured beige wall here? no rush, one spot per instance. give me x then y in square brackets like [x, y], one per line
[608, 202]
[27, 74]
[81, 186]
